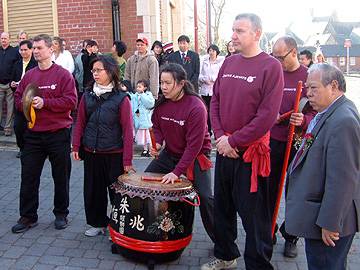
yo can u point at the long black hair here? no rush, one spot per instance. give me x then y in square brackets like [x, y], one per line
[111, 68]
[179, 74]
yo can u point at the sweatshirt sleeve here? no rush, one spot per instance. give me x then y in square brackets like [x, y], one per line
[68, 99]
[79, 125]
[267, 111]
[126, 121]
[159, 137]
[19, 93]
[195, 133]
[215, 107]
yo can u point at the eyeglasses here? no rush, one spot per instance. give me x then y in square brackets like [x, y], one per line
[282, 58]
[97, 70]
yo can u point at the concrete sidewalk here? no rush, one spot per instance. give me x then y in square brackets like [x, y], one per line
[43, 247]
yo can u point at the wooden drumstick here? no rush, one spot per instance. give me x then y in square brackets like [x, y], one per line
[155, 178]
[152, 137]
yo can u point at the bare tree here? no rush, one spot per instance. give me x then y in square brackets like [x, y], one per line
[218, 11]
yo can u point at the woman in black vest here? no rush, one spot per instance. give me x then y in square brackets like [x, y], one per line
[104, 129]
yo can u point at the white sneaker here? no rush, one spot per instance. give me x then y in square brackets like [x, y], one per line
[94, 231]
[217, 264]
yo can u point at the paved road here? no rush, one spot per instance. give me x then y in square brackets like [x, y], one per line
[44, 248]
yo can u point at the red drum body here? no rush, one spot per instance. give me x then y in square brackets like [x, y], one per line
[151, 222]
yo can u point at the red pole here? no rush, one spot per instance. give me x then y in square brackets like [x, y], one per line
[207, 24]
[286, 159]
[196, 27]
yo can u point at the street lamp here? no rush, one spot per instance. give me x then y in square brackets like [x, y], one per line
[347, 45]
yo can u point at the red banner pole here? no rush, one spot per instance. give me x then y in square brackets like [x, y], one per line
[286, 159]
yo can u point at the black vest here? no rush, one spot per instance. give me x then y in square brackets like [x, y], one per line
[103, 131]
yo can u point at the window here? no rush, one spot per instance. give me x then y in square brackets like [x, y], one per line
[342, 61]
[32, 16]
[352, 61]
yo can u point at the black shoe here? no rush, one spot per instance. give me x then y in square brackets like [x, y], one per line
[144, 153]
[60, 223]
[290, 249]
[23, 225]
[18, 155]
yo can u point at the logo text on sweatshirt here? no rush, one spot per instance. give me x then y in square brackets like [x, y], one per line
[249, 79]
[179, 122]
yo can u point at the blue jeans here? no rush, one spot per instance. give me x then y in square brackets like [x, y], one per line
[322, 257]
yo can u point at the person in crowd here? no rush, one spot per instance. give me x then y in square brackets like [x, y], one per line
[157, 49]
[8, 57]
[324, 177]
[142, 101]
[48, 138]
[182, 138]
[125, 86]
[22, 36]
[305, 58]
[320, 58]
[142, 65]
[230, 49]
[108, 154]
[79, 69]
[62, 57]
[117, 51]
[244, 106]
[285, 50]
[88, 56]
[22, 66]
[189, 60]
[209, 70]
[168, 49]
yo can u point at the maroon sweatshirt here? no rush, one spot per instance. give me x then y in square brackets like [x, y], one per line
[57, 88]
[125, 120]
[247, 97]
[280, 131]
[183, 126]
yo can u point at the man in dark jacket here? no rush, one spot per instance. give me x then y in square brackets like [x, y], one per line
[188, 59]
[8, 57]
[24, 64]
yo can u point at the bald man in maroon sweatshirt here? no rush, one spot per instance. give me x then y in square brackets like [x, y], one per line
[48, 138]
[245, 105]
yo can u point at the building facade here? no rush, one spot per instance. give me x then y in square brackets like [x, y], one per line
[101, 20]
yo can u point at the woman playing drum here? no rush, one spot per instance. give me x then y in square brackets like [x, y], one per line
[104, 127]
[180, 120]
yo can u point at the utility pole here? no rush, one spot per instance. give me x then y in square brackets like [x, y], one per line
[196, 28]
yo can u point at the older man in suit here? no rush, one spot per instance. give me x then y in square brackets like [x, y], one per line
[188, 59]
[323, 200]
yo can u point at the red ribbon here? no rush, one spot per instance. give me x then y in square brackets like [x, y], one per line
[258, 153]
[204, 163]
[147, 246]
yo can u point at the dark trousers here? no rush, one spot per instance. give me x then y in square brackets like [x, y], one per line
[207, 100]
[322, 257]
[100, 171]
[232, 195]
[277, 159]
[37, 147]
[202, 184]
[20, 123]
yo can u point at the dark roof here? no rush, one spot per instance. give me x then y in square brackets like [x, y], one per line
[343, 30]
[335, 50]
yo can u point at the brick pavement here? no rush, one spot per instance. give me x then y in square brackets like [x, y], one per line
[44, 248]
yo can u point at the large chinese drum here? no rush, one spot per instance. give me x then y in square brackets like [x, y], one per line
[151, 222]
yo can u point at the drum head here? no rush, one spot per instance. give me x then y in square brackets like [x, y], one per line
[133, 185]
